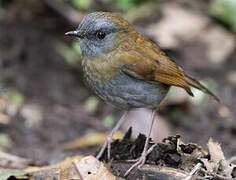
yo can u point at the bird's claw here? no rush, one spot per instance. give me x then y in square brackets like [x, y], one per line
[140, 161]
[107, 144]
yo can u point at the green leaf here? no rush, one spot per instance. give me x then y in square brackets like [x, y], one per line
[15, 97]
[5, 141]
[125, 4]
[77, 48]
[109, 121]
[131, 4]
[224, 10]
[69, 54]
[91, 104]
[82, 4]
[6, 175]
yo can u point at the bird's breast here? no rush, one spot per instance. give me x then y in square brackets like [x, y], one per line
[123, 91]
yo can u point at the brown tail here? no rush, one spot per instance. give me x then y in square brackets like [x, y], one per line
[194, 83]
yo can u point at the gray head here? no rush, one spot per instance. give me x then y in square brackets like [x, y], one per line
[97, 31]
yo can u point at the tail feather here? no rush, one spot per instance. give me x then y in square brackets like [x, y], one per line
[194, 83]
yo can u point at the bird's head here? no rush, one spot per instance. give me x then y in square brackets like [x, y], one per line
[100, 32]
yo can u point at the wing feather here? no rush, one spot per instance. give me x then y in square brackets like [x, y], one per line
[151, 64]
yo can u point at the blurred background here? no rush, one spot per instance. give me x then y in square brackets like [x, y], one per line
[44, 102]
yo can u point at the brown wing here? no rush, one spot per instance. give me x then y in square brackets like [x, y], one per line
[151, 64]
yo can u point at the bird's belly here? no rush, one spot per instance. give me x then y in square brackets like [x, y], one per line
[126, 92]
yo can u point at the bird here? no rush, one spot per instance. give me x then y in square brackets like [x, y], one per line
[127, 70]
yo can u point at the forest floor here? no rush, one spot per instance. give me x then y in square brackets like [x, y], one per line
[48, 98]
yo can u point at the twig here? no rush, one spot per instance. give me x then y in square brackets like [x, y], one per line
[68, 12]
[194, 170]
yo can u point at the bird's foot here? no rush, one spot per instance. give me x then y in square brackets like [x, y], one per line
[140, 161]
[107, 144]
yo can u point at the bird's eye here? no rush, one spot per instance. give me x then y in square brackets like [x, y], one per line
[101, 35]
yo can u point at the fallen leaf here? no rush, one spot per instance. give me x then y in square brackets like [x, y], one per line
[6, 175]
[14, 162]
[68, 161]
[90, 140]
[90, 169]
[217, 163]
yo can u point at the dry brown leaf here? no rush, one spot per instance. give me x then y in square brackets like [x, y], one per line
[215, 151]
[3, 103]
[62, 164]
[62, 171]
[91, 169]
[12, 161]
[217, 163]
[190, 160]
[4, 119]
[90, 140]
[87, 168]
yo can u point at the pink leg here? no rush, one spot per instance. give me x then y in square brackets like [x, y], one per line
[107, 144]
[146, 151]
